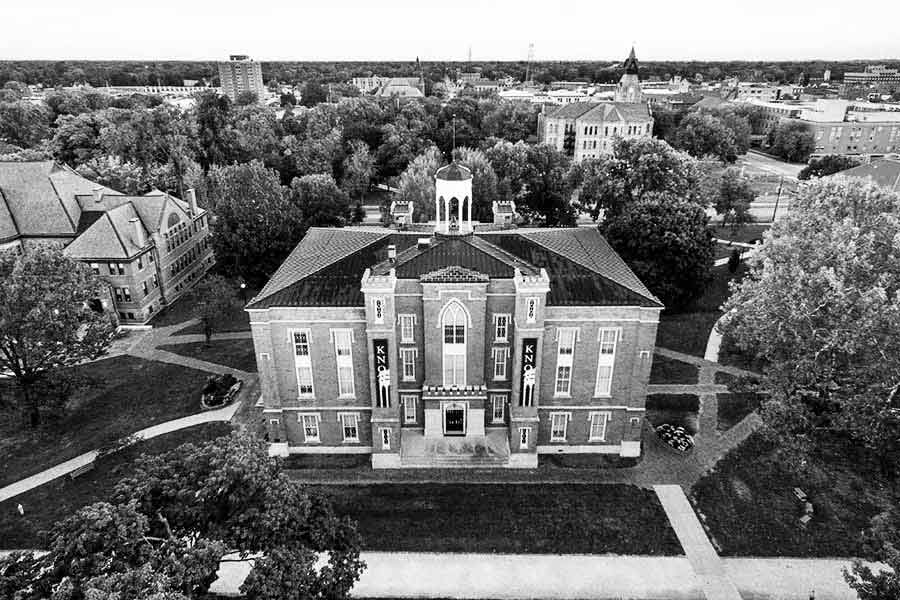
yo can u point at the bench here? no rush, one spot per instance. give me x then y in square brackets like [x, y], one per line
[82, 470]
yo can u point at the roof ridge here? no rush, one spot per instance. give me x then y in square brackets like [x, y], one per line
[61, 203]
[11, 215]
[116, 231]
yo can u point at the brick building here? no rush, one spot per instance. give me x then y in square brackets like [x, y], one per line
[150, 249]
[454, 343]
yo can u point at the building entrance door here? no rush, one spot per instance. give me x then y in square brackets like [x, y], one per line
[455, 419]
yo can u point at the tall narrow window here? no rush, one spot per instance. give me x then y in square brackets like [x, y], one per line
[407, 323]
[500, 355]
[498, 408]
[598, 426]
[303, 364]
[310, 427]
[408, 358]
[409, 409]
[350, 426]
[343, 352]
[606, 361]
[501, 328]
[454, 325]
[558, 426]
[564, 360]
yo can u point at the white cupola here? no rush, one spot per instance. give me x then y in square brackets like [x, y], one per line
[453, 199]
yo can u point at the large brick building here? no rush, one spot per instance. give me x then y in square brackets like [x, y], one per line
[454, 343]
[149, 249]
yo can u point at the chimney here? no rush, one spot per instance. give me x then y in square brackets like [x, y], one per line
[140, 239]
[392, 252]
[98, 194]
[192, 199]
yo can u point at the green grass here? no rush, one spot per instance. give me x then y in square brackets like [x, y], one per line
[511, 518]
[60, 498]
[237, 354]
[733, 407]
[669, 370]
[685, 402]
[129, 394]
[750, 508]
[182, 310]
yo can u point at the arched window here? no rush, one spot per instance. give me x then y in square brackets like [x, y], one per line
[453, 322]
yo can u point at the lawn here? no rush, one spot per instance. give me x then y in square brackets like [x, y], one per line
[750, 508]
[182, 310]
[127, 394]
[237, 354]
[675, 409]
[60, 498]
[512, 518]
[733, 407]
[669, 370]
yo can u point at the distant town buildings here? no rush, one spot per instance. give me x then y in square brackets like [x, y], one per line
[873, 74]
[241, 74]
[588, 129]
[150, 249]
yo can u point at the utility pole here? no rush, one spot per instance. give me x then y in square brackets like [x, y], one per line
[777, 198]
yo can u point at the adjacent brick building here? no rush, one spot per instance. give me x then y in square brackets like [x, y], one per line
[454, 343]
[150, 249]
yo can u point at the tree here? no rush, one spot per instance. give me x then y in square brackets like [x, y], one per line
[733, 197]
[827, 165]
[359, 168]
[510, 163]
[76, 139]
[417, 183]
[125, 177]
[214, 299]
[246, 98]
[702, 134]
[321, 202]
[734, 260]
[256, 224]
[511, 121]
[178, 516]
[45, 324]
[883, 545]
[313, 93]
[637, 167]
[212, 115]
[23, 123]
[546, 196]
[484, 183]
[820, 308]
[667, 243]
[792, 140]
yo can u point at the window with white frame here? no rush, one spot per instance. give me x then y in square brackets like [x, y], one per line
[349, 426]
[501, 328]
[378, 309]
[498, 408]
[524, 436]
[605, 362]
[408, 360]
[531, 310]
[598, 426]
[409, 408]
[407, 323]
[343, 352]
[558, 425]
[565, 354]
[303, 363]
[310, 423]
[500, 355]
[385, 438]
[454, 351]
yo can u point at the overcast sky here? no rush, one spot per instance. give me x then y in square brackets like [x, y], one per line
[404, 29]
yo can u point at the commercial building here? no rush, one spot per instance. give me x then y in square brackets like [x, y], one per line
[150, 249]
[874, 75]
[241, 74]
[454, 343]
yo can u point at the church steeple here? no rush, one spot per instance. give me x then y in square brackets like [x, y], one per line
[631, 64]
[629, 88]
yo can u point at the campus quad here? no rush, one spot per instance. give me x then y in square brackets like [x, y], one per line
[454, 343]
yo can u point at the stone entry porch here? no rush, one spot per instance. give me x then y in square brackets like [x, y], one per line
[471, 451]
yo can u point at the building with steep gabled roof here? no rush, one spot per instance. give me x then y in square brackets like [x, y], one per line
[454, 343]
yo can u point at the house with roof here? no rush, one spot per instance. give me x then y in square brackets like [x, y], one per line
[589, 129]
[883, 172]
[454, 343]
[150, 249]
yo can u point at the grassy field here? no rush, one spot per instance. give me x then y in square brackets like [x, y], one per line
[669, 370]
[128, 394]
[237, 354]
[507, 518]
[750, 508]
[60, 498]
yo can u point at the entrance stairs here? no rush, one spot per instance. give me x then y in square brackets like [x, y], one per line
[465, 452]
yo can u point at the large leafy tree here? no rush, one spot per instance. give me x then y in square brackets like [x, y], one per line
[883, 545]
[637, 167]
[792, 140]
[667, 243]
[23, 123]
[256, 224]
[212, 115]
[359, 168]
[321, 202]
[45, 322]
[76, 139]
[417, 183]
[820, 309]
[732, 197]
[702, 134]
[214, 300]
[511, 121]
[827, 165]
[510, 163]
[484, 182]
[177, 516]
[546, 196]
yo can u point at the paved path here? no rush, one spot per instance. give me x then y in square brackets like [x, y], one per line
[704, 560]
[210, 416]
[713, 343]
